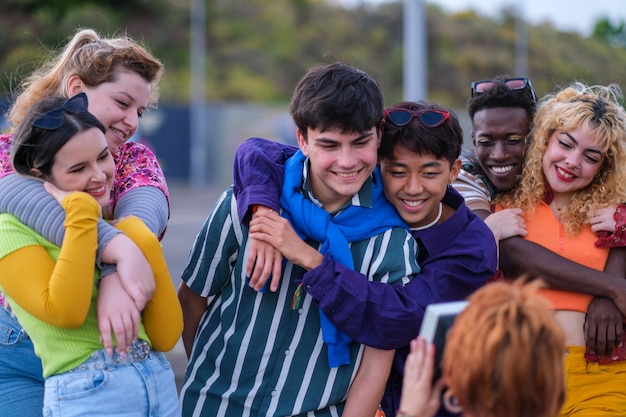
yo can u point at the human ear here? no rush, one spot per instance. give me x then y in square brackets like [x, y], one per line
[74, 86]
[36, 173]
[451, 403]
[455, 168]
[302, 143]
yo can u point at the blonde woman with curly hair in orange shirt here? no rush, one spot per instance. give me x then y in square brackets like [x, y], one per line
[576, 164]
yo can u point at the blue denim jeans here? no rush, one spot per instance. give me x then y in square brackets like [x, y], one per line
[103, 385]
[21, 380]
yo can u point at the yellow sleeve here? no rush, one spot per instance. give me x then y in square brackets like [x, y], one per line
[58, 293]
[163, 316]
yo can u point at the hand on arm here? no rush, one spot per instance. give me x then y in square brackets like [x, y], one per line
[117, 314]
[506, 223]
[603, 219]
[369, 383]
[257, 181]
[604, 324]
[270, 227]
[263, 261]
[133, 280]
[149, 204]
[132, 267]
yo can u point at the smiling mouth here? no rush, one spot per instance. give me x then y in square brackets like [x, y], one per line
[564, 174]
[347, 174]
[118, 133]
[96, 191]
[502, 169]
[413, 203]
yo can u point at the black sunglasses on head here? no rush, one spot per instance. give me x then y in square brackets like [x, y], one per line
[53, 119]
[518, 83]
[429, 117]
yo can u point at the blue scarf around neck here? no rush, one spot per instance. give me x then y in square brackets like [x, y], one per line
[352, 224]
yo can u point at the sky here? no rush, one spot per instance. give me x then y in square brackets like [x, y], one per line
[566, 15]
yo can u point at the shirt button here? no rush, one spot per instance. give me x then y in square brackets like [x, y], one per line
[287, 352]
[274, 393]
[300, 311]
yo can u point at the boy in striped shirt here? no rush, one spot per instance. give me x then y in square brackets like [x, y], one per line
[274, 353]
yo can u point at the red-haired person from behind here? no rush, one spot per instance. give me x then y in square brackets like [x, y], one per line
[503, 358]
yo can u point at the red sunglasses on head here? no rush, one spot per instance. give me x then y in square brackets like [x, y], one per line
[520, 83]
[429, 117]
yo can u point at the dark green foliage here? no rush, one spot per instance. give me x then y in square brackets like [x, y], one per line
[258, 49]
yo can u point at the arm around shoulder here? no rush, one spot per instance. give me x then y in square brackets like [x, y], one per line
[258, 174]
[57, 291]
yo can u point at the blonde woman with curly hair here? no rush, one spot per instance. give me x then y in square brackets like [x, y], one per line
[503, 358]
[576, 164]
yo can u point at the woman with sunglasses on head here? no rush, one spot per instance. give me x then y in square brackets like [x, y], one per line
[418, 160]
[501, 111]
[120, 78]
[52, 290]
[576, 163]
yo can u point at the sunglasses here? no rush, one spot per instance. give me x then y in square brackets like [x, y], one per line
[429, 118]
[479, 87]
[53, 119]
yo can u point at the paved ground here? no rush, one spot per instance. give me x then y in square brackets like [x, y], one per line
[189, 208]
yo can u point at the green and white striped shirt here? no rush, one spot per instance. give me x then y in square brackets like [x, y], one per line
[252, 354]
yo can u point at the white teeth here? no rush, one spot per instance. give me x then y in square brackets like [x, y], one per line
[563, 173]
[502, 170]
[413, 203]
[118, 132]
[95, 191]
[347, 174]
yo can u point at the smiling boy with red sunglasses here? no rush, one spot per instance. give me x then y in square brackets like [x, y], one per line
[418, 158]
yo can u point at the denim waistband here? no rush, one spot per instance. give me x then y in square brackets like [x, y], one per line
[138, 351]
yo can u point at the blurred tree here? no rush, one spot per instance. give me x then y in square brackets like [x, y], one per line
[608, 33]
[258, 49]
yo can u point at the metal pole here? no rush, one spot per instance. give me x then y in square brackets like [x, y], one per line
[521, 41]
[415, 51]
[197, 116]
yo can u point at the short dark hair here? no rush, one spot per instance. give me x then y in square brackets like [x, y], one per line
[444, 141]
[501, 96]
[36, 147]
[337, 96]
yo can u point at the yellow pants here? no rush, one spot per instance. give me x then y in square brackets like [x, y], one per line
[593, 389]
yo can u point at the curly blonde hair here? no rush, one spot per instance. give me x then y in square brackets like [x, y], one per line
[504, 353]
[93, 59]
[596, 109]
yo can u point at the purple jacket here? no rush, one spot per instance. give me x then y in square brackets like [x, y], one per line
[456, 257]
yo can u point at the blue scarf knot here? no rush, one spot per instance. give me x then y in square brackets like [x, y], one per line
[353, 224]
